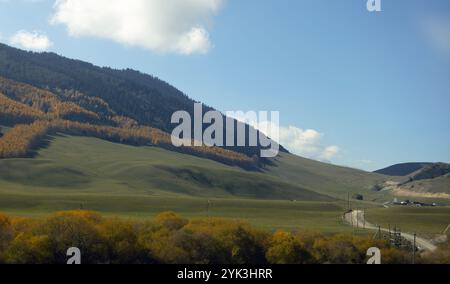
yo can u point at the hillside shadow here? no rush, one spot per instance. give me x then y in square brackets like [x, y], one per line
[43, 144]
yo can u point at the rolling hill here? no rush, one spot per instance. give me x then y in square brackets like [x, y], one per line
[89, 165]
[419, 180]
[402, 169]
[74, 172]
[84, 136]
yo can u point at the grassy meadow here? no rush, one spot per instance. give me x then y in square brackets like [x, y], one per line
[426, 222]
[140, 182]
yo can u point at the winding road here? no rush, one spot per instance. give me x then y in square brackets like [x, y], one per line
[356, 219]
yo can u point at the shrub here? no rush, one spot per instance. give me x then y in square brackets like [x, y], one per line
[285, 248]
[75, 229]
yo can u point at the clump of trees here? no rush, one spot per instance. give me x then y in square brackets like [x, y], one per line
[19, 141]
[12, 112]
[46, 102]
[171, 239]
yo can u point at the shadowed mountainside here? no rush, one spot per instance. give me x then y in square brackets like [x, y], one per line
[402, 169]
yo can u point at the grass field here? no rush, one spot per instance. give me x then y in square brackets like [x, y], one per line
[87, 165]
[423, 221]
[328, 179]
[140, 182]
[311, 216]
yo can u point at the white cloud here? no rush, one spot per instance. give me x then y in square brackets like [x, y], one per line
[159, 25]
[307, 143]
[302, 142]
[32, 1]
[35, 41]
[329, 153]
[437, 31]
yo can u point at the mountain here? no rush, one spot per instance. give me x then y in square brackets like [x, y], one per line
[129, 94]
[433, 178]
[77, 128]
[402, 169]
[419, 180]
[431, 171]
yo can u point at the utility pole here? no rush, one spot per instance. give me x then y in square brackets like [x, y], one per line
[414, 249]
[351, 219]
[348, 200]
[357, 219]
[208, 208]
[364, 217]
[390, 237]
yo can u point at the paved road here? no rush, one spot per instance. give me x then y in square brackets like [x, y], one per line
[356, 219]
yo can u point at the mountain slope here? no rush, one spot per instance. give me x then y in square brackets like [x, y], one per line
[328, 179]
[89, 165]
[54, 95]
[431, 171]
[430, 180]
[43, 112]
[402, 169]
[140, 97]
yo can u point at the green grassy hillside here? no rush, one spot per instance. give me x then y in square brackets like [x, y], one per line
[328, 179]
[88, 165]
[88, 173]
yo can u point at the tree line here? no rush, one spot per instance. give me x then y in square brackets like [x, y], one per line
[171, 239]
[36, 113]
[23, 139]
[46, 102]
[12, 112]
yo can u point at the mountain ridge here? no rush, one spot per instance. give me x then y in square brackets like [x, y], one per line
[402, 169]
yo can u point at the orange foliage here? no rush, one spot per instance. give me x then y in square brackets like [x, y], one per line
[170, 238]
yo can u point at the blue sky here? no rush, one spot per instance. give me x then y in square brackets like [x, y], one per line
[372, 89]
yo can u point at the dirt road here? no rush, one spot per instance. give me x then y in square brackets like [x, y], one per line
[356, 219]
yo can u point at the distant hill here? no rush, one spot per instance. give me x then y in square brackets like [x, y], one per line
[428, 180]
[401, 170]
[431, 171]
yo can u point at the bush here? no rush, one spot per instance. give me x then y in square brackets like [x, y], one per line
[30, 249]
[6, 234]
[121, 242]
[285, 248]
[440, 256]
[75, 229]
[170, 239]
